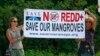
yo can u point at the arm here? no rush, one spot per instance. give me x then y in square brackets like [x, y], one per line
[20, 27]
[9, 37]
[91, 14]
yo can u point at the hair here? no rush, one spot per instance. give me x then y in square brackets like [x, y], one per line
[92, 22]
[89, 19]
[10, 20]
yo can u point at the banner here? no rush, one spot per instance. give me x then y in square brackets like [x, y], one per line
[54, 23]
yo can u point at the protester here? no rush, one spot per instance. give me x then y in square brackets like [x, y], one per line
[86, 45]
[15, 39]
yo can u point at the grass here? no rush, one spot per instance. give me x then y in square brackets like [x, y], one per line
[46, 53]
[33, 52]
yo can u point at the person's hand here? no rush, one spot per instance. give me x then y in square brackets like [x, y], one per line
[83, 39]
[20, 38]
[77, 40]
[86, 10]
[20, 27]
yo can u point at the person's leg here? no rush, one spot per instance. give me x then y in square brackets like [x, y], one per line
[13, 52]
[92, 50]
[79, 52]
[21, 52]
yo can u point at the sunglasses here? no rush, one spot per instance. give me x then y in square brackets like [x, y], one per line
[14, 21]
[88, 21]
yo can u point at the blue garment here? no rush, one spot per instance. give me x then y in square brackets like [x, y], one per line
[83, 50]
[88, 35]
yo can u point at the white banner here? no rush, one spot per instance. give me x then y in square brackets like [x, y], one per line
[54, 23]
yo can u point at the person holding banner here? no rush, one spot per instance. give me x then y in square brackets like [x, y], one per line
[86, 46]
[15, 38]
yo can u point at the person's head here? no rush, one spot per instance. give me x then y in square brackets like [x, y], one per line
[13, 22]
[89, 23]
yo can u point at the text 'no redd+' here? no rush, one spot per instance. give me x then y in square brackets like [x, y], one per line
[65, 16]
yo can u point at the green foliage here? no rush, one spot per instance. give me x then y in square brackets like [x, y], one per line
[46, 53]
[98, 53]
[45, 47]
[38, 53]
